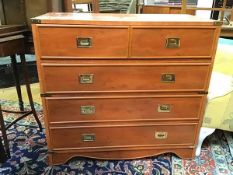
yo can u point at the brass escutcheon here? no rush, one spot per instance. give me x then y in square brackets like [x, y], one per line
[84, 42]
[88, 137]
[161, 135]
[168, 78]
[87, 110]
[173, 43]
[164, 108]
[86, 78]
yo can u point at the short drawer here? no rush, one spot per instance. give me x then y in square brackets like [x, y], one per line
[172, 42]
[84, 42]
[71, 77]
[118, 136]
[123, 108]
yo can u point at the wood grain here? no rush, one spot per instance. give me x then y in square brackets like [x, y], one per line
[127, 61]
[121, 109]
[193, 42]
[123, 19]
[111, 136]
[106, 41]
[61, 157]
[123, 78]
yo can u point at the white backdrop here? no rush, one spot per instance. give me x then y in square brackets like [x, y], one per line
[204, 13]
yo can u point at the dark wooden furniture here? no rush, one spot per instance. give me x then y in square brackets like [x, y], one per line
[12, 43]
[117, 86]
[4, 152]
[3, 155]
[20, 11]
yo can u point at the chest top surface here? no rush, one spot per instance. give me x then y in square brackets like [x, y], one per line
[122, 19]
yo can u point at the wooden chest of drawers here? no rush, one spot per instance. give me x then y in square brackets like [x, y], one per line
[123, 86]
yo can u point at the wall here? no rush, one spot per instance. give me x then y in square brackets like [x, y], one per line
[56, 5]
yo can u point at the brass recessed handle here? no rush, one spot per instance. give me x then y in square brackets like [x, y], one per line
[164, 108]
[86, 78]
[168, 78]
[87, 110]
[172, 42]
[84, 42]
[88, 137]
[161, 135]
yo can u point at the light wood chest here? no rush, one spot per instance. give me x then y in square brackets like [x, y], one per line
[117, 86]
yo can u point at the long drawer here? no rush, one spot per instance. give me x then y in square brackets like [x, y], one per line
[123, 108]
[172, 42]
[128, 135]
[97, 77]
[84, 42]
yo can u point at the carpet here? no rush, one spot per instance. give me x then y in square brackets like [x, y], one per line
[29, 156]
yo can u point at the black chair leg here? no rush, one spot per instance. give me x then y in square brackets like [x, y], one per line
[29, 93]
[4, 136]
[3, 156]
[17, 81]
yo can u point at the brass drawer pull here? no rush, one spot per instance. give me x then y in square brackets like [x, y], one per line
[86, 78]
[88, 137]
[168, 78]
[87, 110]
[173, 43]
[84, 42]
[161, 135]
[164, 108]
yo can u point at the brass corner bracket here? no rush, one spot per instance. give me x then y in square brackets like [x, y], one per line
[35, 21]
[218, 23]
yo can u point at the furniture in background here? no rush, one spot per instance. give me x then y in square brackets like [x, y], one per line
[183, 8]
[4, 150]
[12, 43]
[3, 155]
[95, 6]
[227, 30]
[20, 12]
[12, 12]
[70, 5]
[123, 88]
[225, 4]
[220, 10]
[164, 9]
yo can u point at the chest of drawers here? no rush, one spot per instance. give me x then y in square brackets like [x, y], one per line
[123, 86]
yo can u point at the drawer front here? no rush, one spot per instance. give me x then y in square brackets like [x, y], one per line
[104, 109]
[172, 42]
[78, 137]
[84, 42]
[125, 78]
